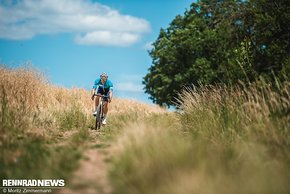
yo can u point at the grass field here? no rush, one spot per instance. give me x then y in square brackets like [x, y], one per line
[43, 127]
[221, 140]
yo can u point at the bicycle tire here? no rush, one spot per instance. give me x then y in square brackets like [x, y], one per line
[98, 117]
[101, 115]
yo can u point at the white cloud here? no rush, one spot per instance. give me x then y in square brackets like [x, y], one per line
[93, 23]
[148, 46]
[108, 38]
[129, 87]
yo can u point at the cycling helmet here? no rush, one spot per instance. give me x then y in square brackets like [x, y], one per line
[104, 75]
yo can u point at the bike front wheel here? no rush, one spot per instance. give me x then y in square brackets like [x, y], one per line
[99, 117]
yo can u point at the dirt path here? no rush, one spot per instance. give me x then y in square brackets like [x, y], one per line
[91, 177]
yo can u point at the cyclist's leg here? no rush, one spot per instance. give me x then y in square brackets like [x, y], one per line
[105, 111]
[106, 105]
[106, 108]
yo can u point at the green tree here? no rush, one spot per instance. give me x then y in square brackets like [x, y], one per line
[270, 36]
[219, 41]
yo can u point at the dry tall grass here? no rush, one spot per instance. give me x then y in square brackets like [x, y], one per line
[35, 116]
[225, 140]
[27, 91]
[258, 112]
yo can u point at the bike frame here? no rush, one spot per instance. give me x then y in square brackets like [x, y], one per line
[100, 112]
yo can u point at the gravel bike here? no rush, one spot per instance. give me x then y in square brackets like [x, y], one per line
[100, 112]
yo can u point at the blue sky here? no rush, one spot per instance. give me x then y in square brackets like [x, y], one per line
[73, 41]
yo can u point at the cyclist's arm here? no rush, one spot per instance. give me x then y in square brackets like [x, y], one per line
[95, 87]
[93, 91]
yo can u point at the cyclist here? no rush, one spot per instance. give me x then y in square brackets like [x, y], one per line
[102, 86]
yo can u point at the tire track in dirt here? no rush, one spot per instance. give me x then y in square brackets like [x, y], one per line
[91, 177]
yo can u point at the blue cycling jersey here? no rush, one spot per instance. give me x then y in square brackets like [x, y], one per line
[108, 85]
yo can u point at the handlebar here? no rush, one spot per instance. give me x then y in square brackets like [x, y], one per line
[103, 96]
